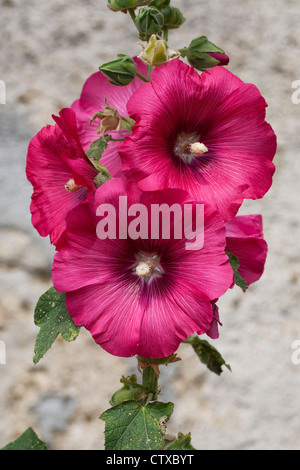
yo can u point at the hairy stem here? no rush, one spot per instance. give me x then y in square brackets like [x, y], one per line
[150, 381]
[150, 68]
[166, 34]
[132, 14]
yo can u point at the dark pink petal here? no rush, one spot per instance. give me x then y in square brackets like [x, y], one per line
[125, 322]
[125, 314]
[226, 114]
[112, 314]
[244, 239]
[208, 267]
[213, 332]
[222, 58]
[54, 158]
[172, 314]
[127, 319]
[85, 259]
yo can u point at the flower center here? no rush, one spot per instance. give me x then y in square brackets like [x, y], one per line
[71, 187]
[147, 266]
[187, 147]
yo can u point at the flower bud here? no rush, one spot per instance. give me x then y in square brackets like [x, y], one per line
[173, 18]
[157, 52]
[121, 71]
[123, 5]
[203, 54]
[131, 390]
[160, 3]
[149, 20]
[124, 394]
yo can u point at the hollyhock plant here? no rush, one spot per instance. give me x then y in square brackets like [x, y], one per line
[204, 133]
[95, 93]
[61, 174]
[139, 184]
[140, 296]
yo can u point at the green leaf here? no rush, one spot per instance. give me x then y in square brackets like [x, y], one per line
[53, 318]
[183, 443]
[208, 354]
[27, 441]
[97, 147]
[235, 264]
[131, 426]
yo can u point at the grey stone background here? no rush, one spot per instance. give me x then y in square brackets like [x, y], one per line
[47, 50]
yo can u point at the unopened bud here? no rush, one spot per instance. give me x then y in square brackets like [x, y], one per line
[121, 71]
[160, 3]
[157, 52]
[173, 18]
[149, 20]
[123, 5]
[203, 54]
[126, 393]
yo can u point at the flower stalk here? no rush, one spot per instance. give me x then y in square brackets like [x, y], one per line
[166, 34]
[142, 77]
[132, 14]
[150, 382]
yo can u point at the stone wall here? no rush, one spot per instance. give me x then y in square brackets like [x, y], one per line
[47, 51]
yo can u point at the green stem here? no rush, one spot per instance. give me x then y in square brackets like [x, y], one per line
[183, 51]
[116, 140]
[166, 34]
[150, 381]
[132, 14]
[150, 68]
[142, 77]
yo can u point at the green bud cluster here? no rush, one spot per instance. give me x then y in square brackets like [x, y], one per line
[173, 18]
[149, 20]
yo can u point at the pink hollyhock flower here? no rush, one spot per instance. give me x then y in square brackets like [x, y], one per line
[95, 91]
[61, 175]
[205, 133]
[140, 296]
[245, 240]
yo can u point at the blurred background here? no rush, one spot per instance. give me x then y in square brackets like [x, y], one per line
[47, 51]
